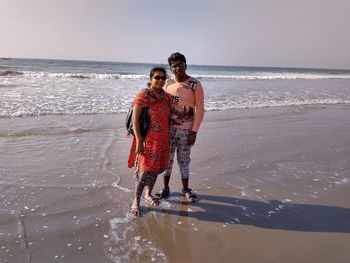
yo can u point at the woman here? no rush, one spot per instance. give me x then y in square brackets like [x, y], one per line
[150, 155]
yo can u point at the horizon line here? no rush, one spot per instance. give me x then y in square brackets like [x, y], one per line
[211, 65]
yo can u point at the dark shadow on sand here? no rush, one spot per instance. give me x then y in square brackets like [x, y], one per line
[273, 214]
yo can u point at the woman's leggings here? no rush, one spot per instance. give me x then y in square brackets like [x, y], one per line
[145, 179]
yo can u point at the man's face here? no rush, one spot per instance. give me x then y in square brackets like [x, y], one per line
[178, 68]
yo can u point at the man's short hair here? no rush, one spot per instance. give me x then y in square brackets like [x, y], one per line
[176, 56]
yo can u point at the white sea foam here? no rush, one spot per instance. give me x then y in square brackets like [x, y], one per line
[124, 245]
[32, 74]
[245, 76]
[275, 76]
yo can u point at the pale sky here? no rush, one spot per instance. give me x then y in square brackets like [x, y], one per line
[282, 33]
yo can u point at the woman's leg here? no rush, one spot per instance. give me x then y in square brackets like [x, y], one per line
[149, 183]
[139, 186]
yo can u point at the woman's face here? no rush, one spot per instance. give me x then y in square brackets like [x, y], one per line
[158, 80]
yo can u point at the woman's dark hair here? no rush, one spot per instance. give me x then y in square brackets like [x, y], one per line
[154, 70]
[176, 56]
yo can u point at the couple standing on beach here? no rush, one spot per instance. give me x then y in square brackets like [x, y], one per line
[181, 100]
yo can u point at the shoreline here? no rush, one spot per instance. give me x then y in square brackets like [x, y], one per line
[277, 108]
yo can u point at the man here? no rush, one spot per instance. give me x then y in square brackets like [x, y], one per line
[187, 111]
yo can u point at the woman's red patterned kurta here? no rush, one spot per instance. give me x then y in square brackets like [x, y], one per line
[156, 143]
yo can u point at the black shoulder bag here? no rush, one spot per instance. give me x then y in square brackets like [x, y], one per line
[144, 121]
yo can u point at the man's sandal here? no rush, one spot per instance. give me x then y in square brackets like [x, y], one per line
[151, 200]
[187, 193]
[163, 193]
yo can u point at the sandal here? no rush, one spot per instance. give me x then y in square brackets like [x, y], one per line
[151, 200]
[135, 211]
[163, 193]
[187, 193]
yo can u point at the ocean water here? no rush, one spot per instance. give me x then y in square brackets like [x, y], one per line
[30, 87]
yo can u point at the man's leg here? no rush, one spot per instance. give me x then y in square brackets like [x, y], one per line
[184, 159]
[184, 182]
[173, 143]
[165, 191]
[166, 180]
[183, 153]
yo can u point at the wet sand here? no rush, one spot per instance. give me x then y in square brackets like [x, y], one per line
[273, 186]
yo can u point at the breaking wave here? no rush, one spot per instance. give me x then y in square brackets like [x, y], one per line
[131, 76]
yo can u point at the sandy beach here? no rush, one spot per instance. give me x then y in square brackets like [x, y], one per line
[273, 186]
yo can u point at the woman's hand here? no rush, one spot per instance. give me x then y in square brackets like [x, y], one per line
[140, 149]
